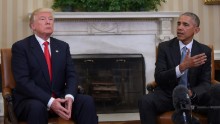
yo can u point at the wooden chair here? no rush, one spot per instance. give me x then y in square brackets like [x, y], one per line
[8, 83]
[165, 118]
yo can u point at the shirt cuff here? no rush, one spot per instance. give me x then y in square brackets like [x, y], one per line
[69, 95]
[49, 103]
[178, 73]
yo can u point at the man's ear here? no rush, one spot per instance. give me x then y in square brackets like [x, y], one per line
[197, 29]
[31, 25]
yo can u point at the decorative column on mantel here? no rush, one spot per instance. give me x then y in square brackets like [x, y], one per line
[164, 19]
[165, 29]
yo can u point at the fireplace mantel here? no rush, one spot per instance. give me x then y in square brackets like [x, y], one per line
[164, 19]
[116, 33]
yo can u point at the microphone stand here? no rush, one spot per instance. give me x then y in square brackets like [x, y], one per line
[184, 117]
[184, 108]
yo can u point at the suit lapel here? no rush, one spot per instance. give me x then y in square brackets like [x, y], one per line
[194, 51]
[55, 57]
[39, 55]
[175, 52]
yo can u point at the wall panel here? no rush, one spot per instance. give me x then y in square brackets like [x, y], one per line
[14, 23]
[1, 21]
[209, 15]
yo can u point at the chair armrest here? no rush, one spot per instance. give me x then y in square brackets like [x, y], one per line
[151, 86]
[215, 82]
[8, 99]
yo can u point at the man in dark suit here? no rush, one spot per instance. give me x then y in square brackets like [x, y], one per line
[47, 89]
[169, 70]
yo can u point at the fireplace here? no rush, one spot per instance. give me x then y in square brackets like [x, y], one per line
[115, 81]
[134, 35]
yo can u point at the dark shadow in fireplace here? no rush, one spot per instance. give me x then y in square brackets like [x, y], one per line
[115, 81]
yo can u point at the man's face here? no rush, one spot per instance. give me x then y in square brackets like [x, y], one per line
[43, 24]
[186, 28]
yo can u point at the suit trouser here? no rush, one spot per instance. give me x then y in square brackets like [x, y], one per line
[152, 104]
[35, 112]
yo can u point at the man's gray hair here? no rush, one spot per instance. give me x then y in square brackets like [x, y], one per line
[193, 16]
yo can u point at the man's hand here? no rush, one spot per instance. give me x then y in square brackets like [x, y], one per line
[68, 106]
[57, 107]
[190, 62]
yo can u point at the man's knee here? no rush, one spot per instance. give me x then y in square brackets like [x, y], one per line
[33, 111]
[215, 90]
[36, 106]
[145, 101]
[86, 99]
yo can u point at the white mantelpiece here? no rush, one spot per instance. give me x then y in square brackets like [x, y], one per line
[116, 32]
[164, 19]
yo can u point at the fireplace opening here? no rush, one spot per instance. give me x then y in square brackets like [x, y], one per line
[115, 81]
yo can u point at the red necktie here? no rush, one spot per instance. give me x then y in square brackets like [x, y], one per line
[47, 57]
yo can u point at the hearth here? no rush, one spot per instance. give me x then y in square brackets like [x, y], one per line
[115, 81]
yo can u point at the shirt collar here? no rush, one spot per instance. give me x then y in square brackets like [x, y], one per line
[189, 45]
[41, 41]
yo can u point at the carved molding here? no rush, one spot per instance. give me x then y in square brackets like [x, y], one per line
[99, 27]
[114, 23]
[165, 29]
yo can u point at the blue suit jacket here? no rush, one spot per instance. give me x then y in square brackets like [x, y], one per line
[31, 75]
[169, 57]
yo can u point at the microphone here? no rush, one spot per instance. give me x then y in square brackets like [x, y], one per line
[181, 99]
[182, 105]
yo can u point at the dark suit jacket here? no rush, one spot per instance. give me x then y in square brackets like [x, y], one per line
[31, 75]
[169, 57]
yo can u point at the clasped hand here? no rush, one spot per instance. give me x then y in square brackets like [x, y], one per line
[194, 61]
[63, 107]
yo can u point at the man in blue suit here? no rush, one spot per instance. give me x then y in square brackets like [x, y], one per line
[41, 91]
